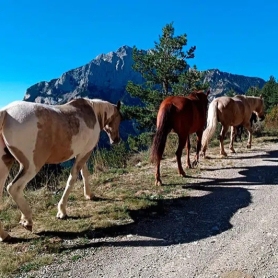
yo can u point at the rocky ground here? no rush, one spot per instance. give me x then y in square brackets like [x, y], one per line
[227, 228]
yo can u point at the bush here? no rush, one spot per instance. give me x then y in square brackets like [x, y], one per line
[141, 142]
[271, 120]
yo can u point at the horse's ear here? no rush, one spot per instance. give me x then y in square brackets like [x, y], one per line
[208, 91]
[261, 96]
[118, 105]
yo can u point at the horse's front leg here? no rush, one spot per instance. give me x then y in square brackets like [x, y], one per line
[221, 138]
[250, 132]
[182, 141]
[79, 163]
[233, 135]
[62, 213]
[198, 148]
[85, 177]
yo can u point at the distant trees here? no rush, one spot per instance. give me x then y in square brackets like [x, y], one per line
[269, 93]
[165, 71]
[230, 93]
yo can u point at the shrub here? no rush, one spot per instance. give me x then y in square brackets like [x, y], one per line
[141, 142]
[271, 120]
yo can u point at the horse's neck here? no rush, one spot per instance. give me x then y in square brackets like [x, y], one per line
[103, 111]
[253, 103]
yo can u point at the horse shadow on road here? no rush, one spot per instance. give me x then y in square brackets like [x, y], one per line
[184, 220]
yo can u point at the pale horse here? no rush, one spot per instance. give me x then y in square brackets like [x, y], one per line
[231, 111]
[35, 134]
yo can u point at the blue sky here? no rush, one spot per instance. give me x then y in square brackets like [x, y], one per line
[40, 40]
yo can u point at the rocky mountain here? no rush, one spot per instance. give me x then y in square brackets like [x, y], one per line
[106, 77]
[222, 82]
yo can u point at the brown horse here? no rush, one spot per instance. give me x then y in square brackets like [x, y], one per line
[184, 116]
[231, 111]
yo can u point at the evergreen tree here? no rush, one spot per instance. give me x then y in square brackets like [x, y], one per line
[270, 93]
[165, 71]
[231, 93]
[253, 91]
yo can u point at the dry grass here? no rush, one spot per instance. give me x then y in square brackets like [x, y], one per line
[119, 191]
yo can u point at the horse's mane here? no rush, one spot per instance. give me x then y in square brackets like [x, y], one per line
[251, 99]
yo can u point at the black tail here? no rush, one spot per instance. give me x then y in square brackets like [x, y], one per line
[164, 126]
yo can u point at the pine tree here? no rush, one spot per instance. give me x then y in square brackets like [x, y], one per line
[231, 93]
[165, 71]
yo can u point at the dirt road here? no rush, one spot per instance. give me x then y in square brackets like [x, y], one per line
[228, 227]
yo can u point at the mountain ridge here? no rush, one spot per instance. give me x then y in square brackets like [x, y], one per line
[106, 77]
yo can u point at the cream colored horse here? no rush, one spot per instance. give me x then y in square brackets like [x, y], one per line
[231, 111]
[36, 134]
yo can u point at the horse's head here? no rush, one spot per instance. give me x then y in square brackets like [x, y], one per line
[260, 109]
[112, 125]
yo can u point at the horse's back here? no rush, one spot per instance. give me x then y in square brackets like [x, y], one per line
[50, 133]
[188, 114]
[230, 110]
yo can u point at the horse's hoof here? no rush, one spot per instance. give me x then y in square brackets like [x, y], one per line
[26, 225]
[90, 197]
[195, 164]
[248, 147]
[183, 174]
[61, 216]
[158, 183]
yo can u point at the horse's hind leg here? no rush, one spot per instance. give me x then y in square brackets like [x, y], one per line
[6, 162]
[232, 139]
[77, 166]
[198, 148]
[221, 139]
[182, 141]
[15, 189]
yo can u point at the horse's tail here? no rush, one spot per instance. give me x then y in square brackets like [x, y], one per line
[211, 124]
[164, 126]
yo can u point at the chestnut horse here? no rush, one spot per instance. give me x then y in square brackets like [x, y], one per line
[36, 134]
[184, 116]
[231, 111]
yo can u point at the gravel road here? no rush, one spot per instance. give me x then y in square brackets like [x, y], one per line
[227, 228]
